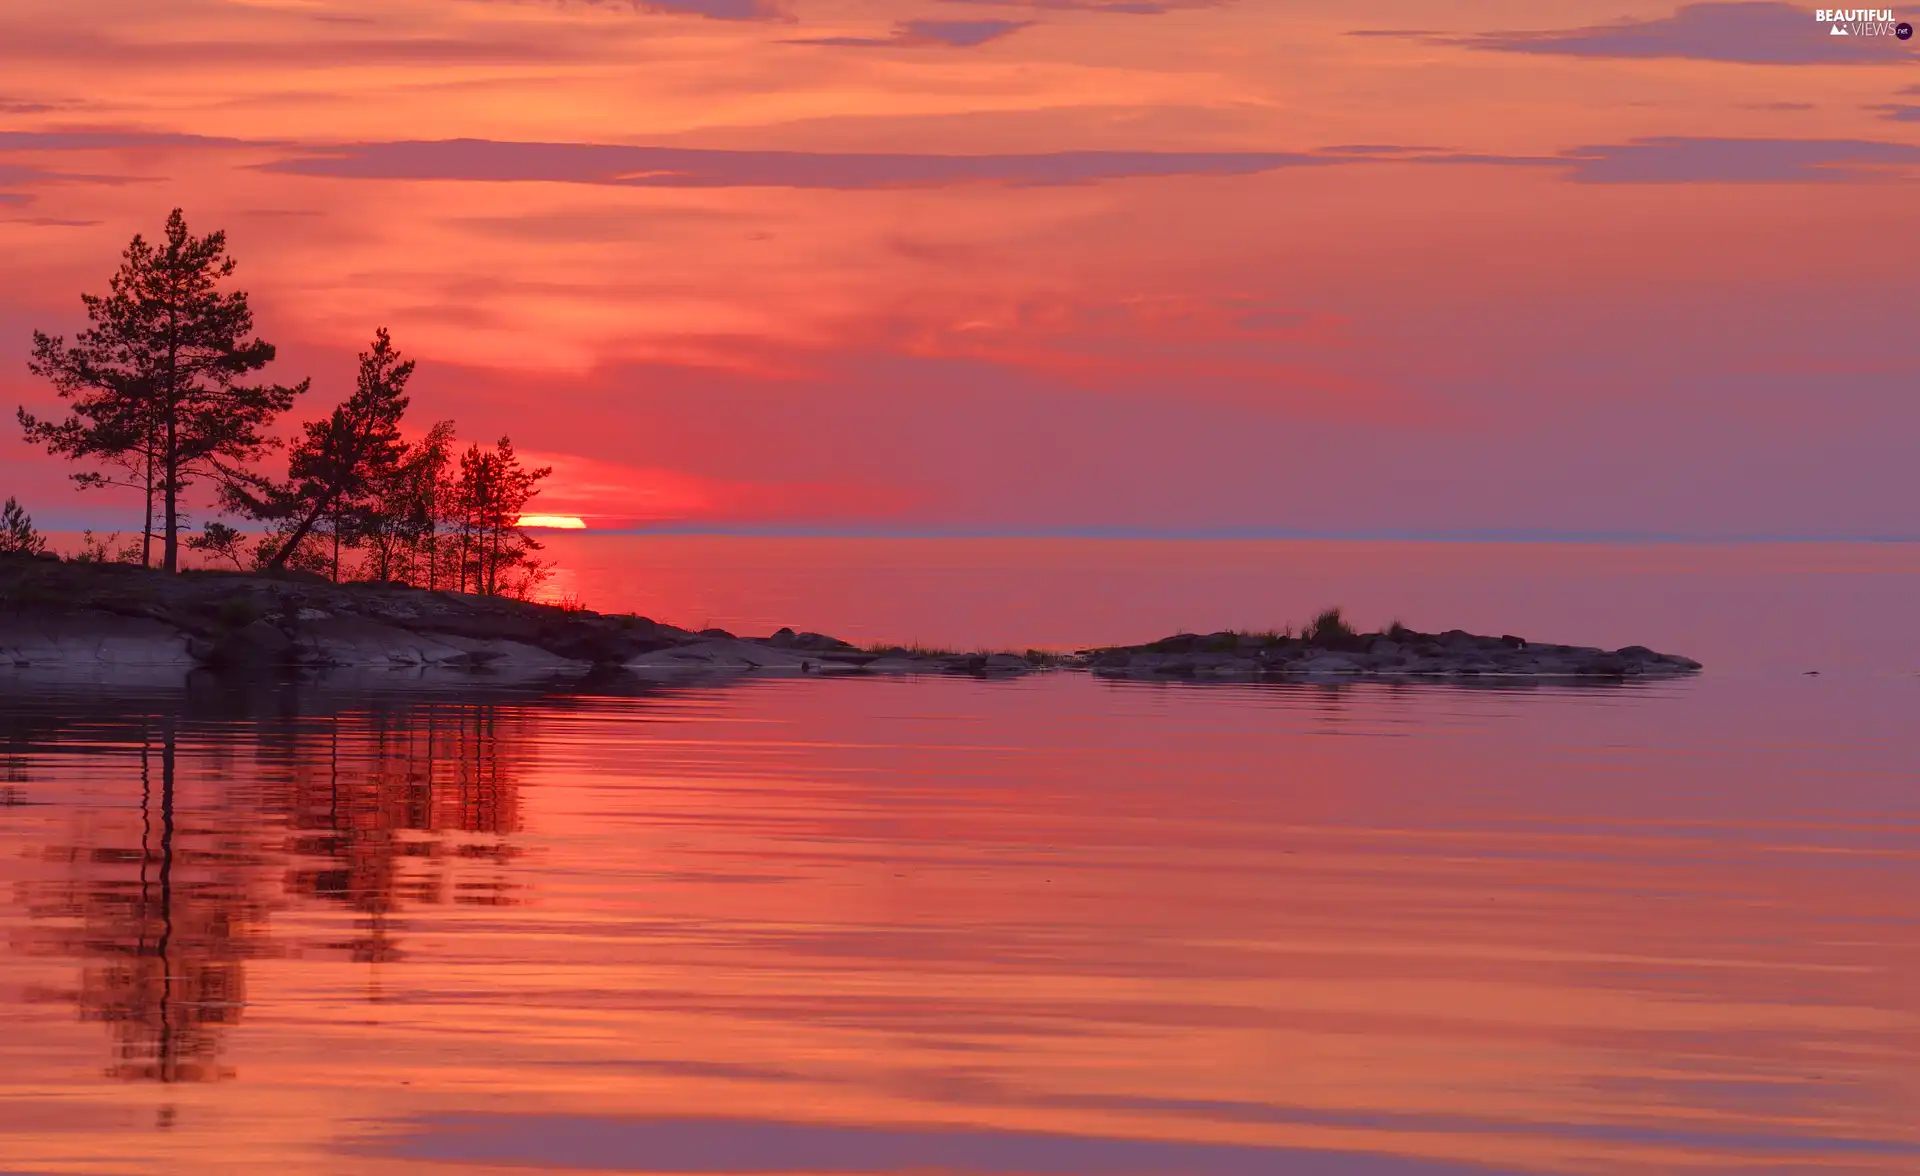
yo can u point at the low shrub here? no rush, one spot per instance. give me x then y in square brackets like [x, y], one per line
[18, 535]
[1330, 628]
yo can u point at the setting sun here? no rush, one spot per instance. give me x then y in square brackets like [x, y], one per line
[554, 522]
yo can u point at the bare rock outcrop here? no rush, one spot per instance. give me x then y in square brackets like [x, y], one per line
[110, 618]
[43, 638]
[1399, 653]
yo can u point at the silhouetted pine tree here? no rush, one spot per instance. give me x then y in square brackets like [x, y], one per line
[402, 521]
[221, 540]
[18, 535]
[153, 384]
[337, 469]
[488, 499]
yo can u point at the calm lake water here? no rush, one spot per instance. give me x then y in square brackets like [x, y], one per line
[1053, 926]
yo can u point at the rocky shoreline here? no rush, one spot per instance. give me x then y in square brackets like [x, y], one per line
[1398, 653]
[112, 619]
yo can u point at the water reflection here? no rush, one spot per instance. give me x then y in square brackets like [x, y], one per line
[162, 917]
[415, 806]
[163, 903]
[888, 926]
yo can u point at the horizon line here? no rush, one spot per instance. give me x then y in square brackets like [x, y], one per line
[1219, 534]
[1159, 534]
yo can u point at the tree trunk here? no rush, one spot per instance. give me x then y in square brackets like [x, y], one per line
[279, 559]
[336, 550]
[170, 553]
[146, 530]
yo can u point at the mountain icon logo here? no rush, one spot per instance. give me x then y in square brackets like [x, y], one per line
[1837, 31]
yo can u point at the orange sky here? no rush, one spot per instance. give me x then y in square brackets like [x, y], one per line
[1060, 264]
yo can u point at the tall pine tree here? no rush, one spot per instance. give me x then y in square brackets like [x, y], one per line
[345, 459]
[401, 514]
[488, 500]
[156, 378]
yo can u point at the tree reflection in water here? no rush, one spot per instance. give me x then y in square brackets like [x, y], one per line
[376, 811]
[162, 912]
[390, 811]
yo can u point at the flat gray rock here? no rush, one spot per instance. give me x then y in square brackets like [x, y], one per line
[91, 640]
[723, 655]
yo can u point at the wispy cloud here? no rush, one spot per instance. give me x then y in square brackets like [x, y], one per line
[1742, 161]
[721, 9]
[1758, 33]
[1898, 111]
[1129, 7]
[14, 177]
[1658, 160]
[911, 34]
[710, 9]
[680, 167]
[598, 226]
[1690, 160]
[118, 140]
[1378, 150]
[13, 173]
[94, 51]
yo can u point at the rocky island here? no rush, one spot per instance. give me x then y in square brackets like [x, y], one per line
[107, 618]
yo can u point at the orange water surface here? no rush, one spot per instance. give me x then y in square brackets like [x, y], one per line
[1044, 926]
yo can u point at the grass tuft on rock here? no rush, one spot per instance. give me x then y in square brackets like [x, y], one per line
[1330, 628]
[915, 649]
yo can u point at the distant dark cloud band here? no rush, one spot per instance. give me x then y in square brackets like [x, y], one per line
[1743, 161]
[1754, 33]
[1665, 160]
[913, 34]
[711, 9]
[14, 176]
[1124, 7]
[109, 140]
[682, 167]
[1641, 161]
